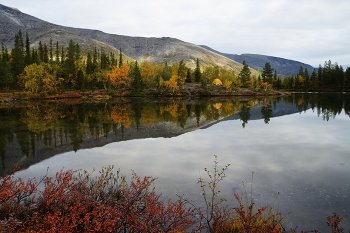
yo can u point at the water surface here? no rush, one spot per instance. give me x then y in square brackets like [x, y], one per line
[297, 146]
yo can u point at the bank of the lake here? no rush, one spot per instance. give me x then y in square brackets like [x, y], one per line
[190, 90]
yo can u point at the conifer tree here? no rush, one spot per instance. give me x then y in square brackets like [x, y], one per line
[267, 73]
[57, 53]
[51, 51]
[244, 75]
[197, 72]
[120, 58]
[28, 58]
[17, 57]
[136, 78]
[188, 76]
[5, 70]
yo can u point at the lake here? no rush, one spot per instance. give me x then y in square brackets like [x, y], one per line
[297, 146]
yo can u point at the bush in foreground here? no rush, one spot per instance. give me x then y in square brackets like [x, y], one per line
[79, 201]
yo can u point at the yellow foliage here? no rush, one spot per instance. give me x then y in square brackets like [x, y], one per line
[266, 85]
[120, 76]
[148, 70]
[227, 84]
[172, 83]
[217, 105]
[217, 81]
[172, 109]
[120, 115]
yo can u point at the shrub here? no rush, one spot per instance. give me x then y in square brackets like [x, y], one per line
[80, 202]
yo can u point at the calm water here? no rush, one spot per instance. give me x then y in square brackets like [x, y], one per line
[297, 146]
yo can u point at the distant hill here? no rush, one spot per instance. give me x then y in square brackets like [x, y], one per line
[158, 50]
[257, 62]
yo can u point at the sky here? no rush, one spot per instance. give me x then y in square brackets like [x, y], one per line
[309, 31]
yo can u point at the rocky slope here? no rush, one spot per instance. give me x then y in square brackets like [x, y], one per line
[157, 50]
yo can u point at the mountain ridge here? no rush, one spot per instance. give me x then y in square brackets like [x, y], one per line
[153, 49]
[257, 61]
[158, 50]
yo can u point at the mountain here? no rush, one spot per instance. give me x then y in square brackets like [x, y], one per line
[158, 50]
[257, 62]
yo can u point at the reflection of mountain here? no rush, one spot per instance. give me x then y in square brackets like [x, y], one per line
[14, 153]
[278, 109]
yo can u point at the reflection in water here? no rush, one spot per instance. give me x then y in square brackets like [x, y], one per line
[304, 159]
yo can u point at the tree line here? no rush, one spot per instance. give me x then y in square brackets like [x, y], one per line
[53, 68]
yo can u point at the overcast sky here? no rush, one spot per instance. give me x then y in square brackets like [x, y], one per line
[310, 31]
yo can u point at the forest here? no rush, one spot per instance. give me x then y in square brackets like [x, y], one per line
[53, 68]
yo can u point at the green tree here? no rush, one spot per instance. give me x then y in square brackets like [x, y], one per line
[28, 57]
[120, 58]
[197, 72]
[80, 83]
[245, 73]
[267, 73]
[17, 57]
[188, 76]
[136, 78]
[5, 69]
[347, 78]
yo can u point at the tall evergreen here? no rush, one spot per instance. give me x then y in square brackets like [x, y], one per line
[120, 58]
[46, 54]
[17, 57]
[136, 78]
[197, 72]
[188, 76]
[28, 57]
[5, 69]
[57, 60]
[267, 73]
[89, 67]
[244, 75]
[51, 51]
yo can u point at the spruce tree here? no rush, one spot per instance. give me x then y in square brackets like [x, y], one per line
[188, 76]
[120, 58]
[28, 58]
[5, 70]
[267, 73]
[17, 57]
[197, 72]
[136, 78]
[244, 75]
[51, 50]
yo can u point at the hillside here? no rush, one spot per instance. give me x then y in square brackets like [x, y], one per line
[257, 62]
[158, 50]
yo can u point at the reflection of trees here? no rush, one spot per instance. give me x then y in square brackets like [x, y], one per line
[55, 124]
[266, 111]
[244, 114]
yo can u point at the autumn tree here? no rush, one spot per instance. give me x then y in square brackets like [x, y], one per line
[149, 73]
[119, 77]
[32, 77]
[172, 83]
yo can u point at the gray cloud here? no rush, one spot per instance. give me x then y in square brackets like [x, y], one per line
[308, 31]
